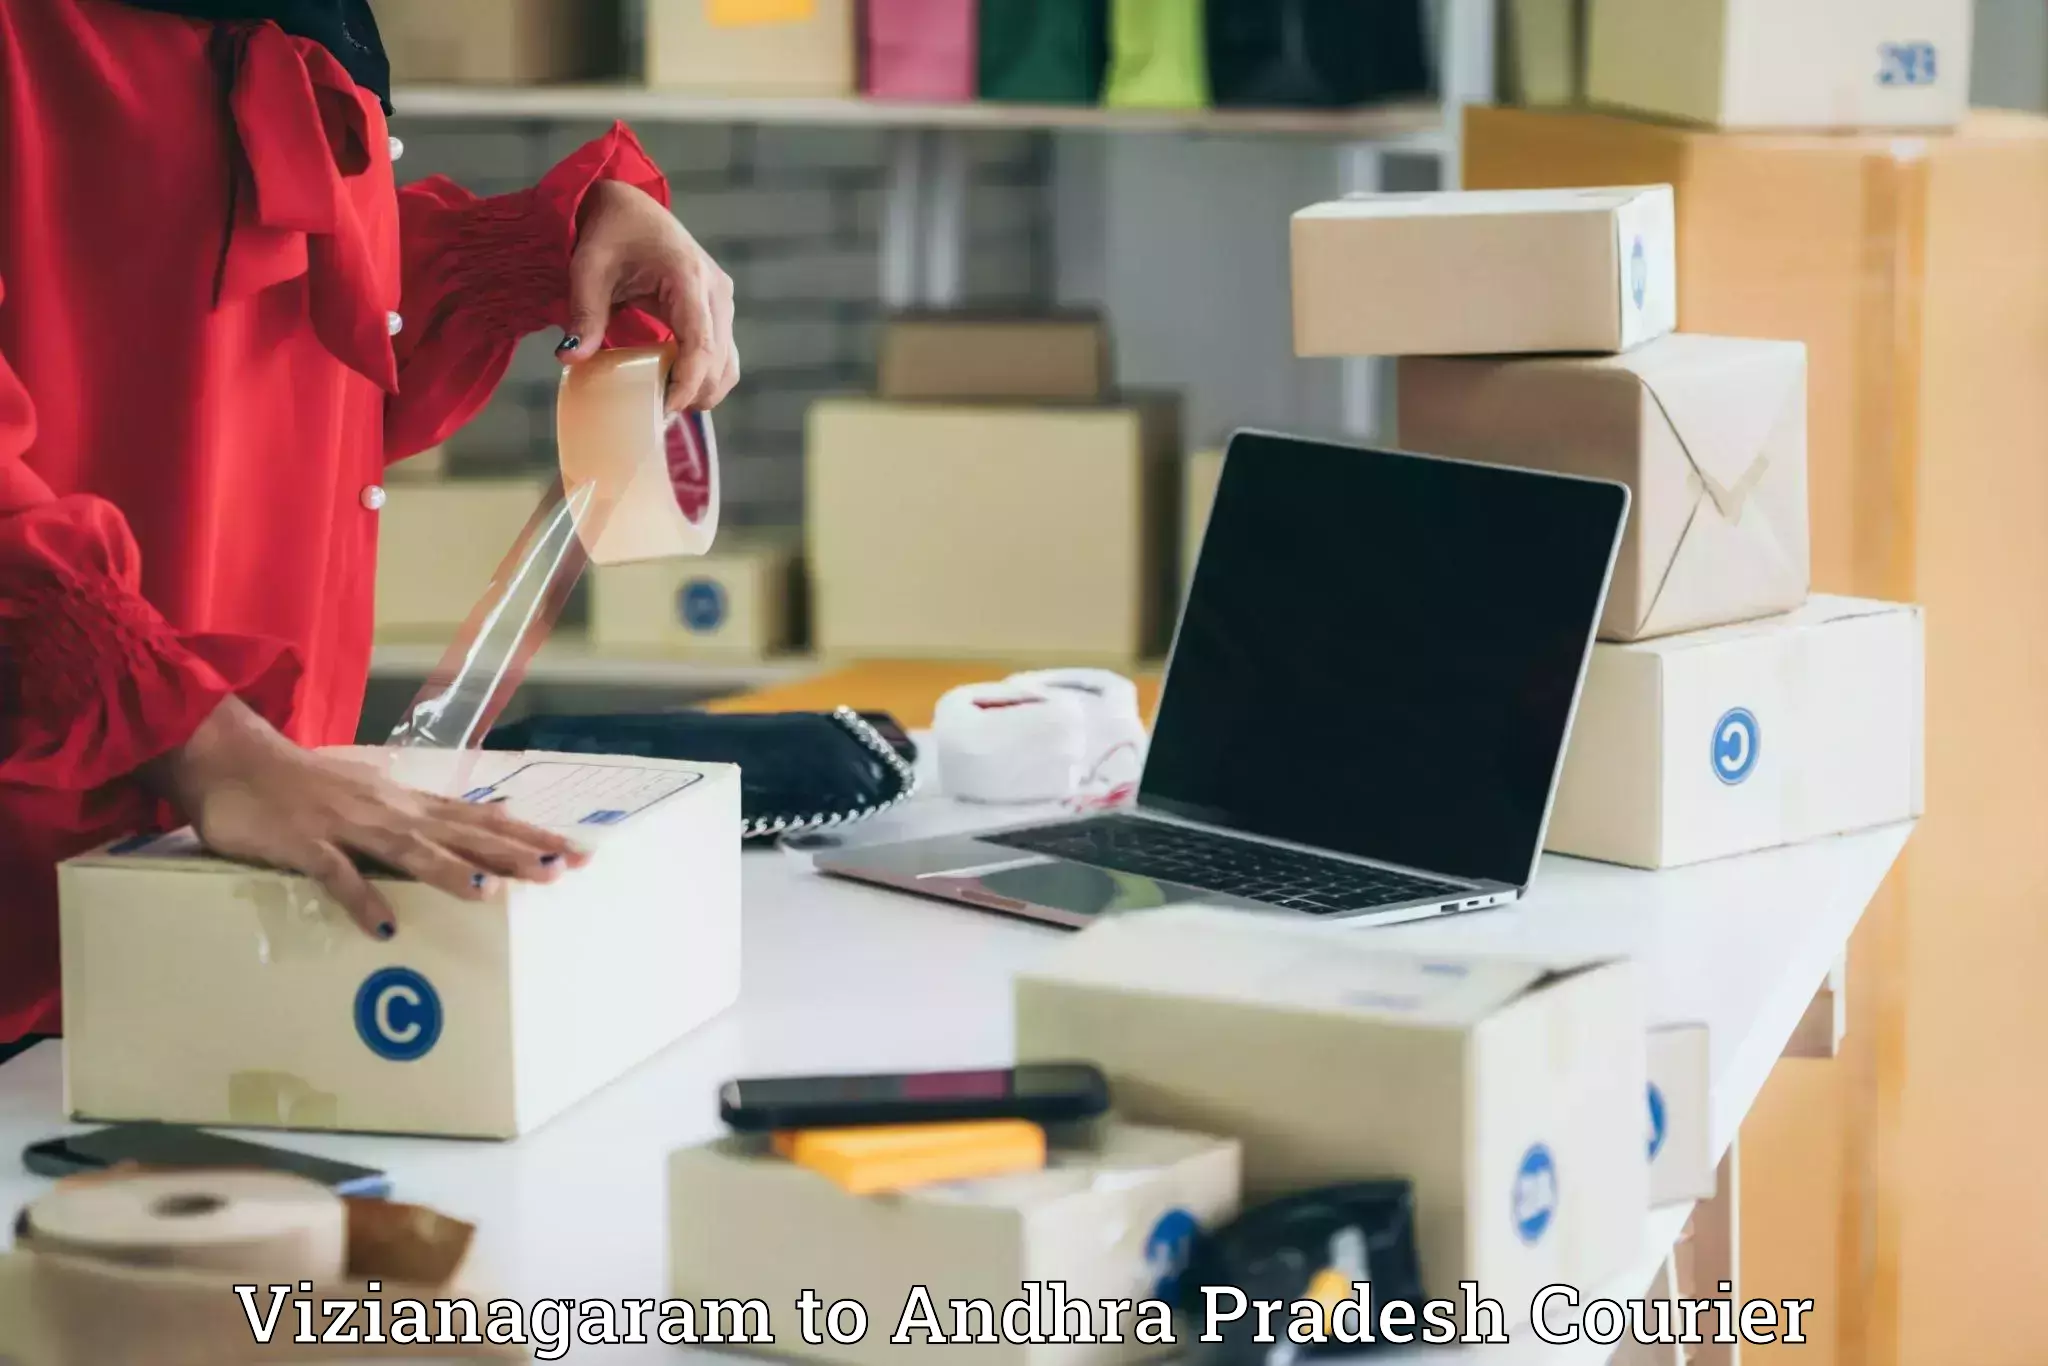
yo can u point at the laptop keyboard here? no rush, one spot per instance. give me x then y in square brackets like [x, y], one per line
[1218, 863]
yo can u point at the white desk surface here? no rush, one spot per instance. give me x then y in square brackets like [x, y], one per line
[840, 977]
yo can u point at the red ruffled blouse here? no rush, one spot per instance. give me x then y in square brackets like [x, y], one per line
[219, 321]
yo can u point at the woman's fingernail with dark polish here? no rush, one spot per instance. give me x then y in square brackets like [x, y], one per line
[569, 343]
[550, 860]
[387, 931]
[476, 880]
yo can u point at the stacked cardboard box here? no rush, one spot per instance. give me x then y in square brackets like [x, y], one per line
[1535, 329]
[996, 501]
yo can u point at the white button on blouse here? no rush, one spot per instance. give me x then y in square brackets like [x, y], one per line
[397, 149]
[395, 323]
[373, 497]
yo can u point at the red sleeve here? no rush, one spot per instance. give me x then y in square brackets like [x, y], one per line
[482, 273]
[93, 682]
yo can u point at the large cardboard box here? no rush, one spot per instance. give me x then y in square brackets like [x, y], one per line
[1463, 273]
[198, 991]
[500, 42]
[1198, 496]
[737, 602]
[440, 544]
[1746, 737]
[944, 531]
[1112, 1216]
[1784, 64]
[1543, 51]
[1509, 1092]
[995, 359]
[720, 47]
[1709, 433]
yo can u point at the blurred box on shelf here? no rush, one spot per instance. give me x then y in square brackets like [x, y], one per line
[1746, 737]
[1509, 1092]
[955, 531]
[738, 602]
[1895, 259]
[430, 466]
[1198, 496]
[1158, 55]
[919, 50]
[1783, 64]
[742, 47]
[1461, 273]
[501, 42]
[1681, 1104]
[1109, 1218]
[440, 544]
[995, 359]
[1328, 54]
[1043, 51]
[198, 991]
[1709, 433]
[1543, 51]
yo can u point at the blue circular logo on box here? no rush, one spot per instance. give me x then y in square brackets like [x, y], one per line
[1737, 740]
[1168, 1249]
[398, 1015]
[701, 605]
[1639, 273]
[1535, 1194]
[1657, 1121]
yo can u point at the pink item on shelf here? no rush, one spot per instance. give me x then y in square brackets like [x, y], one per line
[926, 50]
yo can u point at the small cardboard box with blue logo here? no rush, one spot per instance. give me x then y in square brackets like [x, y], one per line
[199, 991]
[736, 602]
[1485, 272]
[1113, 1215]
[1740, 738]
[1508, 1092]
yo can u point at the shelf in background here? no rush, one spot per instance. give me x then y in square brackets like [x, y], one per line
[1413, 121]
[573, 662]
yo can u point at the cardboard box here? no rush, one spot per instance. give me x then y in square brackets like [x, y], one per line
[1785, 64]
[1893, 259]
[1018, 534]
[1681, 1115]
[1112, 1218]
[500, 42]
[1543, 51]
[1510, 1093]
[1746, 737]
[440, 544]
[1463, 273]
[198, 991]
[721, 47]
[963, 357]
[1198, 496]
[1709, 433]
[738, 601]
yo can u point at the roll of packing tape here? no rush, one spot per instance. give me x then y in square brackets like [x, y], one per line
[1116, 730]
[651, 477]
[1009, 743]
[245, 1223]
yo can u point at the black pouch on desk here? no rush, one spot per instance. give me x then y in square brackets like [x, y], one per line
[798, 770]
[1280, 1251]
[1044, 51]
[1316, 53]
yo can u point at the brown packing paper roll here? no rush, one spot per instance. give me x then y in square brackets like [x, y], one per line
[241, 1223]
[635, 484]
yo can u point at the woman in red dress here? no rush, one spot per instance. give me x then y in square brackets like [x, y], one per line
[219, 321]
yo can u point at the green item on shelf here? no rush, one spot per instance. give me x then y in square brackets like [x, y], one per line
[1158, 55]
[1044, 51]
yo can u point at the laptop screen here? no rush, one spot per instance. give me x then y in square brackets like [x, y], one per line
[1380, 654]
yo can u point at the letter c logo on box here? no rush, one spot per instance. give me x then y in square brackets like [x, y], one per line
[1736, 742]
[398, 1015]
[1657, 1121]
[1535, 1194]
[1168, 1249]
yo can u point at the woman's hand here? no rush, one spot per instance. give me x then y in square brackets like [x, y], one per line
[254, 795]
[632, 251]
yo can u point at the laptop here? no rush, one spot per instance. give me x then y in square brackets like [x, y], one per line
[1365, 709]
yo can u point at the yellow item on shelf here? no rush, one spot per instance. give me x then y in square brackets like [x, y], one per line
[890, 1158]
[740, 13]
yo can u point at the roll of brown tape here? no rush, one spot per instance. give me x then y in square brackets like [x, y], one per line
[651, 477]
[244, 1223]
